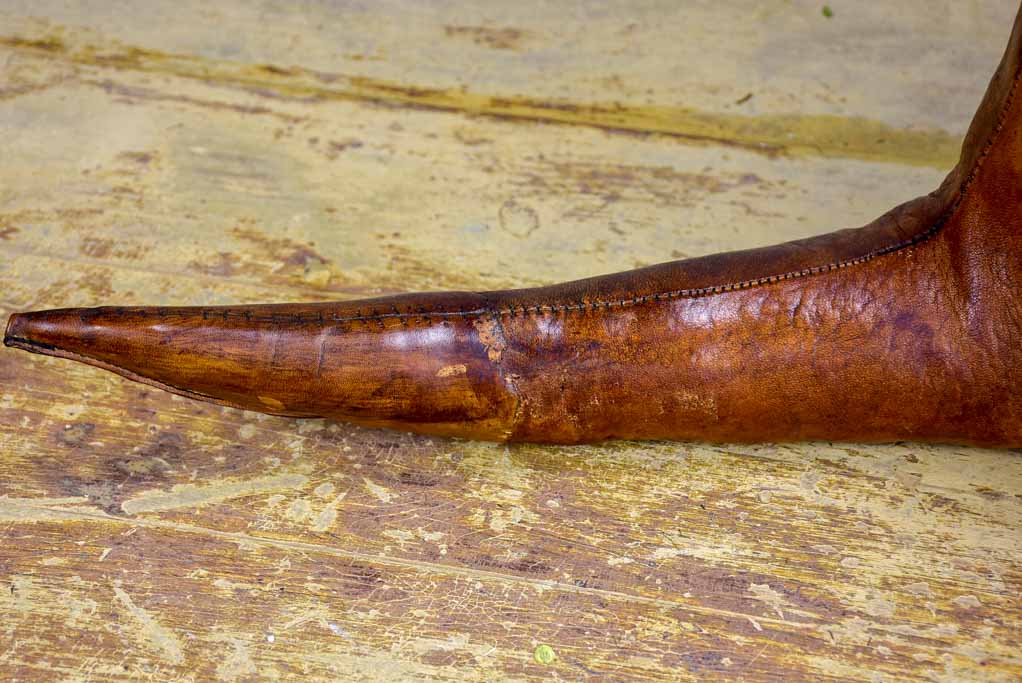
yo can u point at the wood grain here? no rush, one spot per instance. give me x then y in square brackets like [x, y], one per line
[148, 537]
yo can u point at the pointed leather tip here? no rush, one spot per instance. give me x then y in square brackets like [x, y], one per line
[41, 331]
[15, 325]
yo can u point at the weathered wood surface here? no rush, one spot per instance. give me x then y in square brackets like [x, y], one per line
[209, 153]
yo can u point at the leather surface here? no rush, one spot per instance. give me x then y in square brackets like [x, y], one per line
[904, 329]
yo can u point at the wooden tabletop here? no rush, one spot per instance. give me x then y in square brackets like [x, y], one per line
[186, 152]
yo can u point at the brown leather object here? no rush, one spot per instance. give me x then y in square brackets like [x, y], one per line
[908, 328]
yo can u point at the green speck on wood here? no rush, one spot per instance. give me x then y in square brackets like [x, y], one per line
[827, 11]
[544, 654]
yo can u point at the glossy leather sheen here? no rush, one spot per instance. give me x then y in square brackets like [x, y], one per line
[908, 328]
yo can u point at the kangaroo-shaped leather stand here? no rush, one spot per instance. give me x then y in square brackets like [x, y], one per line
[909, 328]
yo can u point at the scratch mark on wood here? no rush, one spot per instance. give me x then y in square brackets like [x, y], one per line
[158, 637]
[192, 496]
[539, 585]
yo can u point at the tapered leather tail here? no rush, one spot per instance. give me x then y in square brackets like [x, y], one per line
[904, 329]
[385, 362]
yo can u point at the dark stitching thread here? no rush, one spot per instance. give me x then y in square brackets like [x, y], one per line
[695, 292]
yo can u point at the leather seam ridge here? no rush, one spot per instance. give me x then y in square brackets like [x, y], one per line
[427, 317]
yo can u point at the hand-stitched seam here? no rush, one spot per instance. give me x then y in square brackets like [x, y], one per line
[427, 317]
